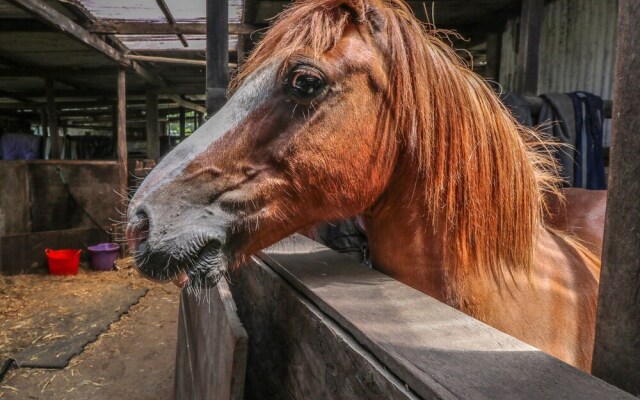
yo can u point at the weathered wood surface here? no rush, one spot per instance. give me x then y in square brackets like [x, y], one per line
[24, 253]
[121, 131]
[217, 54]
[153, 125]
[92, 183]
[182, 124]
[52, 114]
[48, 14]
[15, 205]
[298, 352]
[212, 347]
[124, 27]
[617, 347]
[531, 18]
[438, 351]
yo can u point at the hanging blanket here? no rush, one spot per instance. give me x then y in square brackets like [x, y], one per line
[589, 158]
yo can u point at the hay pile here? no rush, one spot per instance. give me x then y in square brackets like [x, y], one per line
[26, 301]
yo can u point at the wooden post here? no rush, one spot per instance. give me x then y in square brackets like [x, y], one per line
[114, 129]
[53, 120]
[153, 125]
[616, 357]
[183, 124]
[217, 54]
[211, 354]
[200, 119]
[45, 134]
[494, 48]
[122, 135]
[531, 18]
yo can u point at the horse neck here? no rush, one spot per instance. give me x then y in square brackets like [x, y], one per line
[399, 237]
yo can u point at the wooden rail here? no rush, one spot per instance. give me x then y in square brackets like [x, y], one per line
[322, 326]
[437, 351]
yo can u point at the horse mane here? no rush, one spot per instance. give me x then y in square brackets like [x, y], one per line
[483, 175]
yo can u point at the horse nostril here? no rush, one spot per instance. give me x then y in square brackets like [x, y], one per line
[138, 230]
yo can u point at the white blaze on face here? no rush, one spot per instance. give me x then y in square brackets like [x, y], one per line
[255, 91]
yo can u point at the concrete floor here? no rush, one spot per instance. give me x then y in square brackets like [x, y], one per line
[133, 360]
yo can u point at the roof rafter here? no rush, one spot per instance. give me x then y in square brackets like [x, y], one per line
[48, 14]
[121, 27]
[171, 20]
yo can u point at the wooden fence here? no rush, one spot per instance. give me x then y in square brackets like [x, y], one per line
[320, 326]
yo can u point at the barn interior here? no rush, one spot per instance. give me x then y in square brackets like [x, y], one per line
[93, 93]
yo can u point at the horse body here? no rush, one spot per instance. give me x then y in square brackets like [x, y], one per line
[349, 107]
[580, 212]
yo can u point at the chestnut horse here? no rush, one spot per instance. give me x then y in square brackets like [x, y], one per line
[352, 107]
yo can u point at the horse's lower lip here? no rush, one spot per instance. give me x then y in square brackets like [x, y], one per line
[206, 269]
[181, 280]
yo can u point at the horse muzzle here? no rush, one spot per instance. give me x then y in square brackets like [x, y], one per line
[186, 245]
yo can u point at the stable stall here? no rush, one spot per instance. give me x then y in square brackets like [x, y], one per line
[109, 87]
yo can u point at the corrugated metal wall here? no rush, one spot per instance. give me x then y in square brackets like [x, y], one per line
[577, 49]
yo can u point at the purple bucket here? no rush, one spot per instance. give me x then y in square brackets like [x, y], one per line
[104, 255]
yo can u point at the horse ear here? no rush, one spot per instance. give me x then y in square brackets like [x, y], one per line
[356, 8]
[365, 11]
[375, 17]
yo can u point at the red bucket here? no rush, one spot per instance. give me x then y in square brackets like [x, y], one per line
[63, 262]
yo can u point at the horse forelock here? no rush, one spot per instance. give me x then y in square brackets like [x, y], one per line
[483, 181]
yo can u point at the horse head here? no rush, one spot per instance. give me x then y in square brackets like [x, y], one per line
[343, 105]
[298, 141]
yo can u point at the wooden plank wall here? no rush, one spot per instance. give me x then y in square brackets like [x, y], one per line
[14, 198]
[24, 253]
[298, 352]
[438, 352]
[212, 347]
[93, 184]
[617, 346]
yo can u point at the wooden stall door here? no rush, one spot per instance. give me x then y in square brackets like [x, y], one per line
[212, 347]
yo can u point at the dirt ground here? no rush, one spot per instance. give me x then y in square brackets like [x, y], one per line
[134, 359]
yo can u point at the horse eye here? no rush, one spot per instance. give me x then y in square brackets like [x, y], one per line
[305, 84]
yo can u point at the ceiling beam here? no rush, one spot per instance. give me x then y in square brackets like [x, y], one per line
[49, 15]
[38, 72]
[15, 96]
[187, 104]
[22, 25]
[121, 27]
[55, 73]
[171, 20]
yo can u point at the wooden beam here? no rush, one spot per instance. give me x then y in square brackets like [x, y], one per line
[15, 96]
[245, 41]
[425, 348]
[114, 128]
[211, 352]
[22, 25]
[30, 70]
[172, 21]
[494, 49]
[122, 136]
[16, 70]
[59, 21]
[169, 60]
[183, 123]
[123, 27]
[616, 357]
[187, 104]
[531, 18]
[153, 125]
[53, 120]
[52, 17]
[217, 54]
